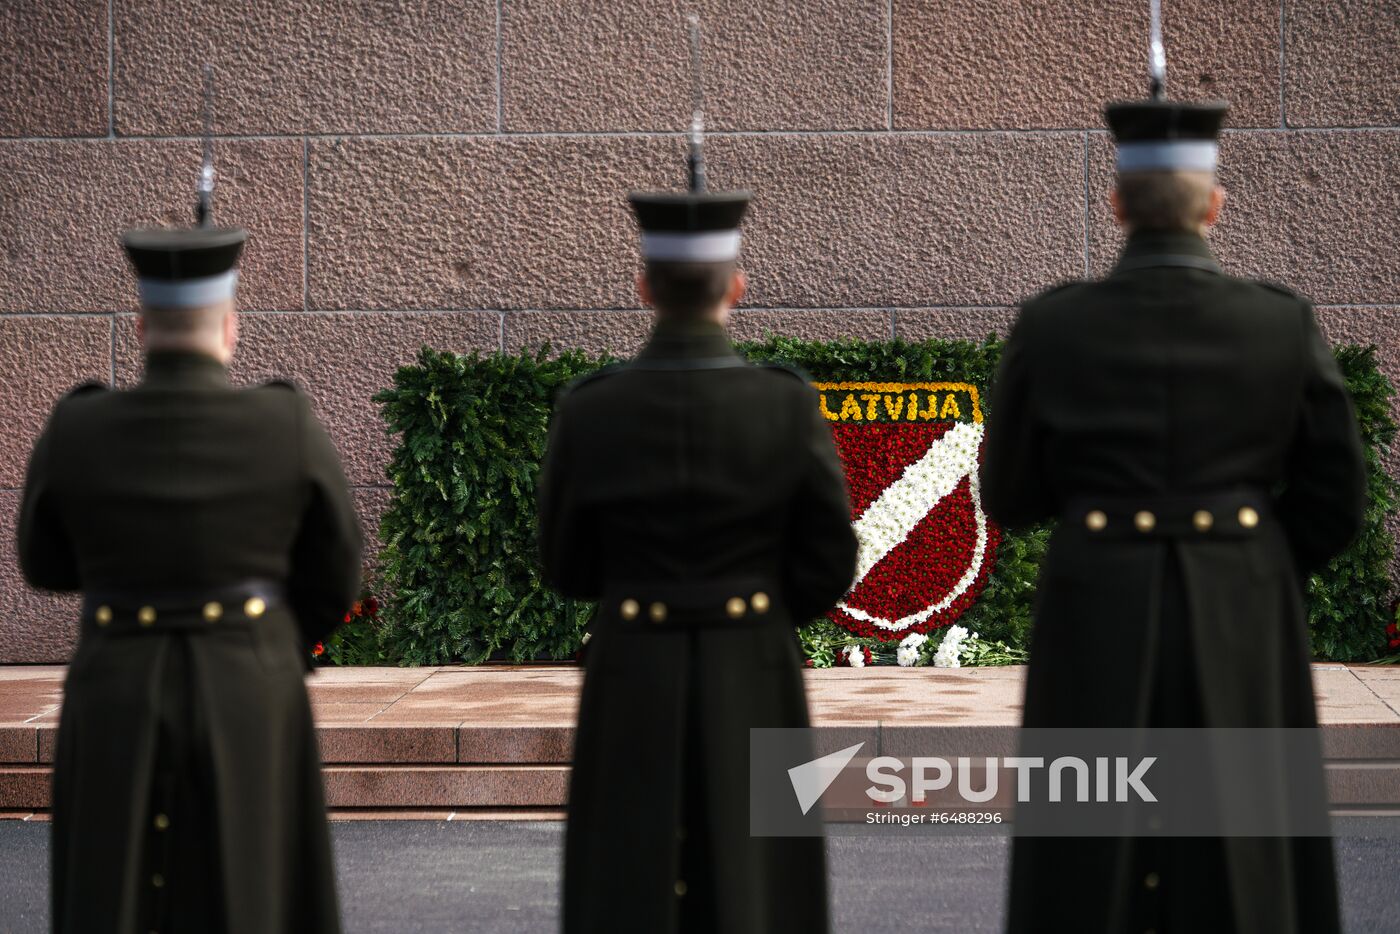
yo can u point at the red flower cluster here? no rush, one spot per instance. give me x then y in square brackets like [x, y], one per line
[364, 609]
[1393, 632]
[367, 608]
[924, 569]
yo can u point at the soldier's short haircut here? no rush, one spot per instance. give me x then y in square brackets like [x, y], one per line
[184, 322]
[688, 289]
[1167, 200]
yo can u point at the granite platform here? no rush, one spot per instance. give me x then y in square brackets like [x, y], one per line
[494, 741]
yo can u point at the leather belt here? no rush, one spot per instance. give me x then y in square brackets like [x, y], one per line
[1227, 514]
[140, 611]
[716, 602]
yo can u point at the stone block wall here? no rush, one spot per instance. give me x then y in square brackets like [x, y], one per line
[453, 172]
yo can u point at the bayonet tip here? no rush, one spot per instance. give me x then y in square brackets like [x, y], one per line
[204, 206]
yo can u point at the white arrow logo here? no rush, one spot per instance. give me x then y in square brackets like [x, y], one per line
[810, 780]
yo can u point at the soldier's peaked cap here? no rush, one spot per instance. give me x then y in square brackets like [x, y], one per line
[184, 267]
[690, 226]
[1161, 135]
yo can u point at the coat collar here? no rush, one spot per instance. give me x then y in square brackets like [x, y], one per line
[1152, 248]
[687, 340]
[184, 369]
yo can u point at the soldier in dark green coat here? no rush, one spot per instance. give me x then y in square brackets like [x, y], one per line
[700, 501]
[212, 536]
[1192, 434]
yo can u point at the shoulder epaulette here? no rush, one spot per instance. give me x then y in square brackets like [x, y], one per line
[1058, 287]
[83, 389]
[1278, 287]
[580, 381]
[787, 368]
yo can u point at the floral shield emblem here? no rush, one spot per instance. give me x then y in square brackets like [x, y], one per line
[910, 451]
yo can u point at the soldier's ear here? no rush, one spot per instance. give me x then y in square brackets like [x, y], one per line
[738, 285]
[1217, 202]
[231, 331]
[644, 289]
[1117, 204]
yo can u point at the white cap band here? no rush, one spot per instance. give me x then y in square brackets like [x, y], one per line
[711, 246]
[1186, 155]
[187, 293]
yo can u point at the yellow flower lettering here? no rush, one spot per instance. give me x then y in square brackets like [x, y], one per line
[851, 409]
[930, 411]
[871, 398]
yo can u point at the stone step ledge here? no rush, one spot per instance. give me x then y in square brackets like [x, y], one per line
[552, 744]
[457, 786]
[441, 814]
[27, 787]
[350, 744]
[1366, 785]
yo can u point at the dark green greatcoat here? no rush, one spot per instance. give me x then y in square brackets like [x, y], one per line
[690, 473]
[1169, 377]
[181, 485]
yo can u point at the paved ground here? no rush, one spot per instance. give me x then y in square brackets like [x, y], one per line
[512, 695]
[427, 877]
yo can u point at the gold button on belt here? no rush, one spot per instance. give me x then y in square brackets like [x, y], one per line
[1172, 517]
[154, 609]
[736, 608]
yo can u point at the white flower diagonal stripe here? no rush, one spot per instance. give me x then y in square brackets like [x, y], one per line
[899, 509]
[904, 503]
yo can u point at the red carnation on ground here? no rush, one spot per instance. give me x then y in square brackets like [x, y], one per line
[863, 653]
